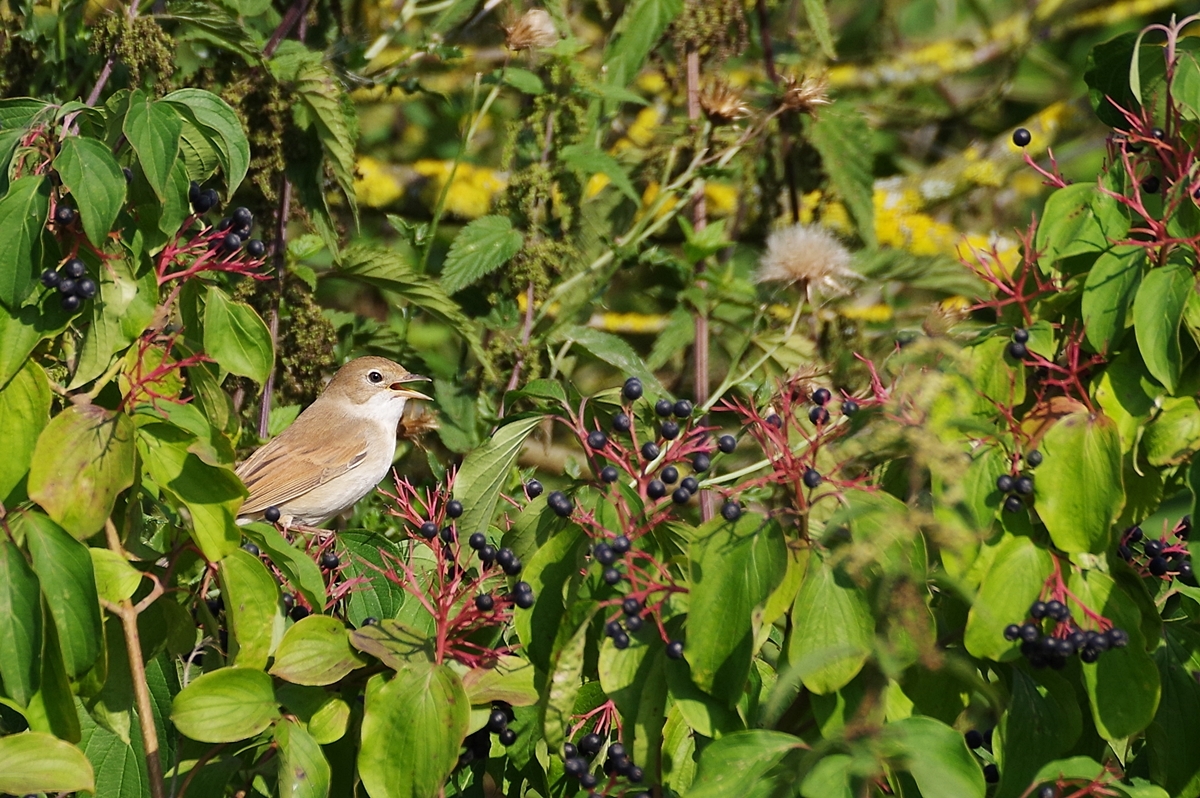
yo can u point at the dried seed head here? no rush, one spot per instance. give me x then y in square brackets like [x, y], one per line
[723, 104]
[810, 257]
[534, 30]
[805, 94]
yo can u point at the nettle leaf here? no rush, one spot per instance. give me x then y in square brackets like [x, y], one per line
[842, 137]
[153, 130]
[24, 412]
[733, 568]
[303, 770]
[639, 30]
[252, 605]
[745, 763]
[1108, 294]
[20, 624]
[522, 80]
[588, 160]
[315, 651]
[84, 458]
[1013, 581]
[219, 122]
[936, 756]
[833, 630]
[322, 96]
[412, 728]
[1157, 312]
[34, 762]
[23, 213]
[96, 183]
[479, 249]
[485, 471]
[1078, 488]
[225, 705]
[1079, 219]
[818, 21]
[237, 337]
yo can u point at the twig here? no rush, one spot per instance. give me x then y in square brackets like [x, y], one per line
[699, 222]
[106, 72]
[280, 257]
[294, 15]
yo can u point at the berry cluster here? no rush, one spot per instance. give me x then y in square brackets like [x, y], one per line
[819, 413]
[1162, 558]
[617, 763]
[1017, 348]
[1018, 488]
[71, 280]
[236, 228]
[478, 744]
[1067, 638]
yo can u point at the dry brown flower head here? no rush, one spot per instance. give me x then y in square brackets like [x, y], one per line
[805, 94]
[534, 30]
[722, 104]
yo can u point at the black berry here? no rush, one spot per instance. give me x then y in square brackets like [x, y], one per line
[818, 415]
[974, 739]
[1013, 504]
[1046, 791]
[596, 439]
[588, 780]
[288, 600]
[612, 576]
[243, 217]
[560, 504]
[726, 443]
[448, 535]
[631, 606]
[609, 474]
[523, 599]
[231, 242]
[669, 430]
[487, 555]
[604, 554]
[64, 215]
[1017, 351]
[701, 463]
[1004, 483]
[250, 547]
[298, 613]
[633, 389]
[1024, 486]
[821, 396]
[575, 766]
[1151, 184]
[621, 640]
[271, 514]
[664, 407]
[125, 170]
[484, 602]
[731, 511]
[507, 737]
[454, 508]
[669, 475]
[681, 495]
[428, 530]
[1153, 548]
[675, 649]
[70, 303]
[50, 278]
[255, 248]
[650, 450]
[775, 421]
[497, 721]
[590, 744]
[66, 286]
[634, 623]
[683, 408]
[1021, 137]
[621, 423]
[1030, 632]
[330, 560]
[811, 478]
[569, 751]
[1037, 610]
[370, 620]
[74, 268]
[849, 407]
[620, 544]
[655, 489]
[1020, 335]
[533, 489]
[1033, 459]
[85, 288]
[991, 773]
[1158, 565]
[1012, 632]
[1057, 611]
[690, 484]
[1117, 638]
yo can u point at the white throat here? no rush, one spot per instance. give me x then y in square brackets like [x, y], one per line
[383, 408]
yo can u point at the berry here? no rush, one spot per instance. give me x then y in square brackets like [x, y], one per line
[243, 217]
[484, 602]
[1004, 483]
[298, 613]
[487, 555]
[225, 223]
[271, 514]
[454, 508]
[1013, 504]
[669, 430]
[1033, 458]
[596, 439]
[1186, 574]
[590, 744]
[533, 489]
[612, 576]
[731, 511]
[523, 588]
[330, 560]
[66, 286]
[49, 278]
[250, 547]
[1158, 133]
[70, 303]
[775, 421]
[613, 628]
[631, 606]
[231, 242]
[125, 170]
[428, 530]
[507, 737]
[448, 535]
[683, 408]
[1017, 351]
[64, 215]
[821, 396]
[1089, 654]
[1151, 184]
[288, 600]
[604, 554]
[635, 774]
[991, 773]
[370, 620]
[85, 288]
[74, 268]
[634, 623]
[570, 751]
[1046, 791]
[193, 192]
[616, 751]
[523, 599]
[675, 649]
[1117, 638]
[818, 415]
[1098, 641]
[1158, 565]
[632, 389]
[650, 450]
[497, 721]
[690, 484]
[1124, 553]
[1037, 610]
[669, 475]
[811, 478]
[609, 474]
[620, 544]
[1030, 632]
[701, 463]
[1020, 335]
[727, 443]
[655, 489]
[681, 495]
[200, 200]
[1012, 632]
[505, 556]
[588, 780]
[1024, 486]
[575, 766]
[1058, 611]
[211, 198]
[621, 641]
[560, 504]
[664, 407]
[256, 248]
[1153, 548]
[849, 407]
[621, 423]
[1021, 137]
[1135, 534]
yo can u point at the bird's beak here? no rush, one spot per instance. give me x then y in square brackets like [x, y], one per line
[409, 393]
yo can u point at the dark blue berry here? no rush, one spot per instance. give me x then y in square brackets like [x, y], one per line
[818, 415]
[428, 530]
[621, 423]
[454, 508]
[664, 407]
[1021, 137]
[620, 544]
[726, 443]
[669, 430]
[655, 489]
[74, 268]
[683, 408]
[533, 489]
[681, 495]
[701, 463]
[675, 649]
[821, 396]
[271, 514]
[596, 439]
[632, 389]
[731, 511]
[811, 478]
[609, 474]
[669, 475]
[650, 450]
[484, 602]
[256, 248]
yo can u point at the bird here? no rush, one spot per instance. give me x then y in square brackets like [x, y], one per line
[335, 452]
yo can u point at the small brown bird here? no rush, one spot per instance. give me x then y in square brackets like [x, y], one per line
[336, 452]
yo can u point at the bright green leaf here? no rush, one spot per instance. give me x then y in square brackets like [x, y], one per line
[23, 214]
[303, 770]
[485, 471]
[251, 604]
[225, 705]
[1108, 294]
[237, 337]
[96, 183]
[116, 579]
[34, 762]
[315, 651]
[24, 413]
[153, 130]
[936, 756]
[479, 249]
[1013, 582]
[1157, 312]
[832, 629]
[1078, 488]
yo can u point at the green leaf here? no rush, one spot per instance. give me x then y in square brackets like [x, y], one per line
[832, 629]
[18, 112]
[297, 568]
[818, 21]
[323, 714]
[1174, 434]
[733, 568]
[485, 471]
[96, 183]
[523, 81]
[237, 337]
[588, 160]
[153, 130]
[511, 680]
[563, 687]
[334, 119]
[1013, 581]
[377, 596]
[1042, 721]
[1176, 725]
[120, 767]
[303, 770]
[745, 763]
[1078, 488]
[641, 26]
[412, 728]
[225, 705]
[393, 643]
[1108, 293]
[116, 579]
[20, 625]
[1157, 312]
[251, 604]
[23, 213]
[121, 312]
[1079, 219]
[1123, 687]
[64, 570]
[83, 459]
[24, 413]
[547, 572]
[212, 23]
[34, 762]
[612, 350]
[936, 756]
[842, 137]
[315, 651]
[216, 119]
[635, 679]
[479, 249]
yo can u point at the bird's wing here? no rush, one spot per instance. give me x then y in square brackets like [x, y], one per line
[290, 466]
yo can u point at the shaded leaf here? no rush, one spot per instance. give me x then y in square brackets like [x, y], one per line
[23, 213]
[479, 249]
[20, 624]
[24, 413]
[96, 182]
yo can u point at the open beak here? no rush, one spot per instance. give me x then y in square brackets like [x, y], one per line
[400, 390]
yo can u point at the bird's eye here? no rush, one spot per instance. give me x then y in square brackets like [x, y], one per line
[374, 376]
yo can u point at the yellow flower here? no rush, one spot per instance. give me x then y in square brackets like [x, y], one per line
[376, 186]
[721, 198]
